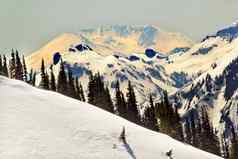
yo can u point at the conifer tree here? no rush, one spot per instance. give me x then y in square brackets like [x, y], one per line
[47, 81]
[5, 69]
[188, 132]
[25, 74]
[30, 76]
[12, 65]
[210, 142]
[1, 65]
[98, 94]
[70, 84]
[120, 103]
[133, 112]
[34, 79]
[234, 147]
[77, 89]
[62, 80]
[52, 79]
[18, 66]
[225, 148]
[169, 119]
[91, 89]
[44, 83]
[108, 101]
[81, 92]
[150, 119]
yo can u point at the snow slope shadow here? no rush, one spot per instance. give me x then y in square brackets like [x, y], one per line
[129, 150]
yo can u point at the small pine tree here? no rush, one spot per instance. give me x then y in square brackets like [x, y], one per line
[12, 65]
[1, 66]
[149, 118]
[5, 69]
[34, 79]
[234, 147]
[25, 74]
[133, 112]
[98, 94]
[77, 89]
[210, 142]
[44, 83]
[120, 103]
[169, 119]
[91, 89]
[52, 79]
[47, 81]
[30, 76]
[62, 80]
[81, 92]
[108, 101]
[70, 84]
[19, 68]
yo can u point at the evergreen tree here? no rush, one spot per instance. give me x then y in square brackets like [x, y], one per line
[5, 69]
[1, 65]
[108, 101]
[188, 132]
[150, 119]
[52, 79]
[12, 65]
[225, 148]
[120, 103]
[71, 88]
[18, 66]
[30, 76]
[62, 80]
[44, 83]
[98, 94]
[25, 74]
[133, 112]
[91, 89]
[77, 89]
[169, 119]
[81, 92]
[34, 79]
[47, 81]
[210, 142]
[234, 147]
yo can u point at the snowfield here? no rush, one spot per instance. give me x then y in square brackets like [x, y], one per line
[38, 124]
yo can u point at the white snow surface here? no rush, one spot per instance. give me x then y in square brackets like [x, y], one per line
[39, 124]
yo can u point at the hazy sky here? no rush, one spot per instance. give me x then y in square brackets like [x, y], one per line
[29, 24]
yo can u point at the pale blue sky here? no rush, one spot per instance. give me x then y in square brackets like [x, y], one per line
[28, 24]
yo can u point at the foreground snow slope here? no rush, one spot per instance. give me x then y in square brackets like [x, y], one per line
[37, 124]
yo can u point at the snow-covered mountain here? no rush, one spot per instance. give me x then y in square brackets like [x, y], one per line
[38, 124]
[143, 70]
[230, 32]
[108, 40]
[213, 66]
[132, 39]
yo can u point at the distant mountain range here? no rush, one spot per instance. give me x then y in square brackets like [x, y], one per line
[108, 40]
